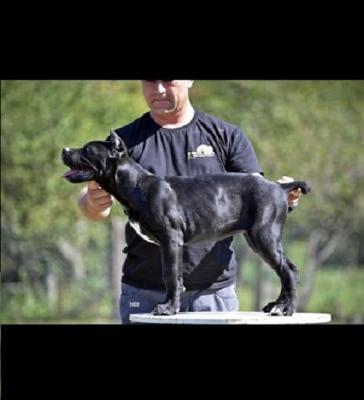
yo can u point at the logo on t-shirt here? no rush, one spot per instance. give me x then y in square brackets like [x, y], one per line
[203, 150]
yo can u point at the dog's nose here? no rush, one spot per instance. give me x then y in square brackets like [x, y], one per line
[65, 151]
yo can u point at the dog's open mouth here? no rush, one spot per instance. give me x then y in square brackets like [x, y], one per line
[79, 175]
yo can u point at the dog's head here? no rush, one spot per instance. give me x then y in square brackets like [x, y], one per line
[94, 159]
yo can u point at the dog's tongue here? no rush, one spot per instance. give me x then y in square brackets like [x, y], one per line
[71, 172]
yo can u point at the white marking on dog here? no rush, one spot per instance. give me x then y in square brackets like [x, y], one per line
[136, 227]
[276, 311]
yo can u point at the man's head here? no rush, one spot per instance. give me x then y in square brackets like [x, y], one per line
[166, 96]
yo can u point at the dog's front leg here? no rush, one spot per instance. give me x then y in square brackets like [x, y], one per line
[172, 277]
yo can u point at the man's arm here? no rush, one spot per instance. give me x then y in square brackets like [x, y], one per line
[94, 202]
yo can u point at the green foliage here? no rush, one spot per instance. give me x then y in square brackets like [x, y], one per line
[340, 292]
[87, 300]
[39, 118]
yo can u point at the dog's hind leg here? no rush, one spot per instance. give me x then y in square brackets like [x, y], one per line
[288, 291]
[266, 241]
[173, 278]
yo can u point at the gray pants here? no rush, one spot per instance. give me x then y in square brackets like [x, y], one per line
[134, 300]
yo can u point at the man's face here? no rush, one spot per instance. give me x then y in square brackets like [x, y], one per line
[164, 97]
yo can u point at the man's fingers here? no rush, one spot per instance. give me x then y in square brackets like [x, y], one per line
[294, 197]
[105, 205]
[93, 185]
[102, 202]
[99, 194]
[96, 190]
[100, 205]
[295, 194]
[97, 198]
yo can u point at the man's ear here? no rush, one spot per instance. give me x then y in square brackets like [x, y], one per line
[117, 142]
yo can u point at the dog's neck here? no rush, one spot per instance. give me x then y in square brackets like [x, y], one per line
[124, 180]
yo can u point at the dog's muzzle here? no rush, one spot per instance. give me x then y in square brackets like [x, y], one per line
[78, 172]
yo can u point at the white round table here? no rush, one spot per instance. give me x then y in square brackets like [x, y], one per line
[231, 318]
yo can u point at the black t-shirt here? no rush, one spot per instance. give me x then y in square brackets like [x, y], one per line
[204, 145]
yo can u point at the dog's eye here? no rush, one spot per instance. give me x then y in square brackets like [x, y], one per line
[87, 152]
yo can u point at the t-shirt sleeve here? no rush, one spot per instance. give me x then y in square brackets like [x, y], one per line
[241, 154]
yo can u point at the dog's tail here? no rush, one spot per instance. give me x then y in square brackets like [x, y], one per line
[288, 187]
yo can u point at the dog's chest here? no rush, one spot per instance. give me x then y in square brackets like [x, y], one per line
[136, 227]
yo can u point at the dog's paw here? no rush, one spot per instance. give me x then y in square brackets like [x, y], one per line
[279, 309]
[165, 309]
[269, 307]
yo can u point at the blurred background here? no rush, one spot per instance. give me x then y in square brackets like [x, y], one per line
[58, 267]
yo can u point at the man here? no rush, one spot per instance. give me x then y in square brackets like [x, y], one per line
[174, 139]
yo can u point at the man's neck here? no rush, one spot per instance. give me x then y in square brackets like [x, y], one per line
[174, 120]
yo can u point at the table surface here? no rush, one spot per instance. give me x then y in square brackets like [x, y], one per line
[231, 318]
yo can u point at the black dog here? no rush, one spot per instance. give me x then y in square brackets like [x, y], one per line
[173, 212]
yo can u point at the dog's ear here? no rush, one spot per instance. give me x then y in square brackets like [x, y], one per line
[117, 142]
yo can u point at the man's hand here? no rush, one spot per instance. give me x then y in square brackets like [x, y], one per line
[97, 199]
[294, 195]
[95, 202]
